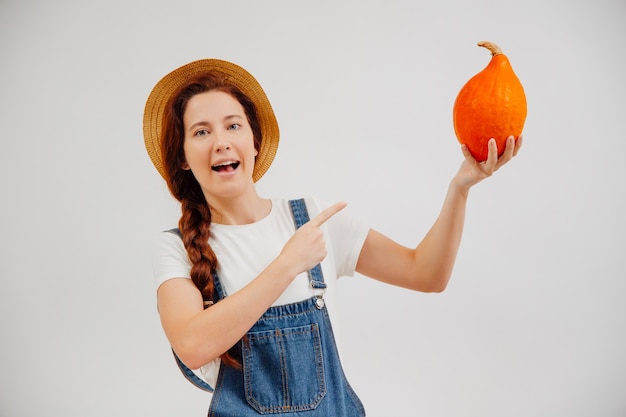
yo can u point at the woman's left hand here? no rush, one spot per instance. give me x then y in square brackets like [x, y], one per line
[472, 172]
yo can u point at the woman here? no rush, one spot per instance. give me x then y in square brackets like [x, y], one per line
[246, 284]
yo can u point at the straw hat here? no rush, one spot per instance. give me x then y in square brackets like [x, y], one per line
[234, 74]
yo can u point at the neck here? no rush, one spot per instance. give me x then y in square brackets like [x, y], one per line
[239, 210]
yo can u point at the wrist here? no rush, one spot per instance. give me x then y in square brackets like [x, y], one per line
[459, 187]
[283, 266]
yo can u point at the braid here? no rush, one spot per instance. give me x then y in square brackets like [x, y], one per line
[195, 220]
[194, 226]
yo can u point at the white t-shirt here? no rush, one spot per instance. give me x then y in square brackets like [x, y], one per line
[243, 251]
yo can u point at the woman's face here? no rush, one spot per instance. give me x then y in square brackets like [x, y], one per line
[219, 145]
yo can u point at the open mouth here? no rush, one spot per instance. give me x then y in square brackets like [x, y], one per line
[227, 166]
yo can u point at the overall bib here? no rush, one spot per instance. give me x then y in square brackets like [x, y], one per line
[290, 362]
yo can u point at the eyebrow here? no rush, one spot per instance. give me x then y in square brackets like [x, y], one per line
[225, 119]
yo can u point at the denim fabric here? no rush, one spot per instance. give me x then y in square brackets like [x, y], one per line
[290, 361]
[290, 368]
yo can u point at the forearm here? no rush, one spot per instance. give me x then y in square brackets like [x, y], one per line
[436, 254]
[209, 333]
[427, 267]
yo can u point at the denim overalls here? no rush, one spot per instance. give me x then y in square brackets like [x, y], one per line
[290, 361]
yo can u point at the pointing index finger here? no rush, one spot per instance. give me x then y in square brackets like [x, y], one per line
[327, 213]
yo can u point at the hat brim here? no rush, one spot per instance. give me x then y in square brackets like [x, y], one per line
[235, 75]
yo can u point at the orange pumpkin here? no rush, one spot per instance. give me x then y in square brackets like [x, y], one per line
[492, 104]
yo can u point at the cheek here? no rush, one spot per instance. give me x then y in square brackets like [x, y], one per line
[194, 154]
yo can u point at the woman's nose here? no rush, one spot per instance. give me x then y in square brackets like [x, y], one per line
[222, 143]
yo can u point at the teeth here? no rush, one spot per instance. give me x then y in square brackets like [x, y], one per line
[223, 164]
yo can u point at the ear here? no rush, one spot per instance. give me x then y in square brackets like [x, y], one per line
[185, 166]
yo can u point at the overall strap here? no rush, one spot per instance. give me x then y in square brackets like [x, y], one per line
[316, 277]
[191, 376]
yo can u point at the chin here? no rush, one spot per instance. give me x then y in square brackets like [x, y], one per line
[228, 189]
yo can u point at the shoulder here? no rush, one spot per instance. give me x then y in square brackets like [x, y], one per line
[168, 240]
[169, 257]
[168, 249]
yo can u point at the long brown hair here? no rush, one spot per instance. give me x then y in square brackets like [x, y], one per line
[195, 221]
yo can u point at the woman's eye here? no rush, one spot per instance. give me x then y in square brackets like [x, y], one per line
[234, 126]
[201, 132]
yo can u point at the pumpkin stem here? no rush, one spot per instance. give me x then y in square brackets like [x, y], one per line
[493, 48]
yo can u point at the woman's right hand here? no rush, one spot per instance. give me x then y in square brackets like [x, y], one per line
[306, 248]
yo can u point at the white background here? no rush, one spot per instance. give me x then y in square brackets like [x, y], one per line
[533, 322]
